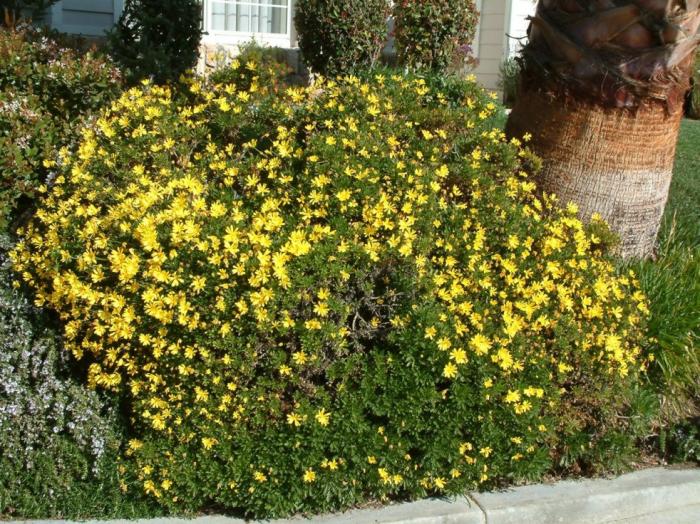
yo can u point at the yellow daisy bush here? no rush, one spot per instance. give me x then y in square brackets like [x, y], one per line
[312, 297]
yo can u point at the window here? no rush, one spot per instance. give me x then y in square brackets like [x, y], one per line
[269, 17]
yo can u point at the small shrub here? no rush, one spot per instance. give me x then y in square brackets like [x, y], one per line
[157, 39]
[46, 93]
[508, 78]
[695, 92]
[681, 442]
[432, 34]
[314, 297]
[254, 65]
[336, 36]
[56, 437]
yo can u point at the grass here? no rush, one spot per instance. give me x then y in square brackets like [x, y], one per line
[672, 283]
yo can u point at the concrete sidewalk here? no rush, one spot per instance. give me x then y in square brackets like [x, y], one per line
[652, 496]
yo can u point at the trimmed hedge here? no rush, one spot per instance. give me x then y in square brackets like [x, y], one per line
[435, 34]
[337, 36]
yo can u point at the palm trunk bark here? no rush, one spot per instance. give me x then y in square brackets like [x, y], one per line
[614, 162]
[601, 93]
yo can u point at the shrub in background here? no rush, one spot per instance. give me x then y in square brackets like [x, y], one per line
[695, 93]
[255, 67]
[46, 93]
[12, 11]
[157, 39]
[325, 295]
[508, 77]
[433, 34]
[336, 36]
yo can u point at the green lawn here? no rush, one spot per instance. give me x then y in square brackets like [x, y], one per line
[672, 282]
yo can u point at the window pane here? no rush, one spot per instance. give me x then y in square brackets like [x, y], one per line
[254, 16]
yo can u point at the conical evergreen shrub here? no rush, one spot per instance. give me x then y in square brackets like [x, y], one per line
[157, 39]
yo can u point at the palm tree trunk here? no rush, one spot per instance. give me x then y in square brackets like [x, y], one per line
[614, 162]
[601, 93]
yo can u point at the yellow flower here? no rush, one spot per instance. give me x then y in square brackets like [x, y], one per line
[321, 309]
[300, 358]
[294, 419]
[344, 195]
[459, 356]
[450, 370]
[444, 344]
[512, 396]
[323, 417]
[309, 476]
[480, 344]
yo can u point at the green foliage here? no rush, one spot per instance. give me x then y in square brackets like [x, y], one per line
[264, 67]
[681, 442]
[46, 93]
[508, 77]
[59, 441]
[337, 36]
[694, 111]
[157, 39]
[435, 34]
[672, 283]
[320, 296]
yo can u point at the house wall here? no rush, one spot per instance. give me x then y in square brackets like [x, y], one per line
[85, 17]
[517, 31]
[491, 41]
[499, 18]
[502, 33]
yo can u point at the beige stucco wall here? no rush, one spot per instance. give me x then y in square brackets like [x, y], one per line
[491, 41]
[502, 23]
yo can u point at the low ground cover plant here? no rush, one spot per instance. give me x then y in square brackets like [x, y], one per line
[47, 91]
[319, 296]
[59, 441]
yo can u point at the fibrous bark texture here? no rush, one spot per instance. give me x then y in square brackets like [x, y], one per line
[617, 52]
[601, 92]
[616, 163]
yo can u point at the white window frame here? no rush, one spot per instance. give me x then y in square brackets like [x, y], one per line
[213, 36]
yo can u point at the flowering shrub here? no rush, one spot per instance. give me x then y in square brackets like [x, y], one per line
[46, 92]
[315, 297]
[263, 67]
[435, 34]
[55, 435]
[336, 36]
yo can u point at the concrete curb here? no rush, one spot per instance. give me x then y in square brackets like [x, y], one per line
[653, 496]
